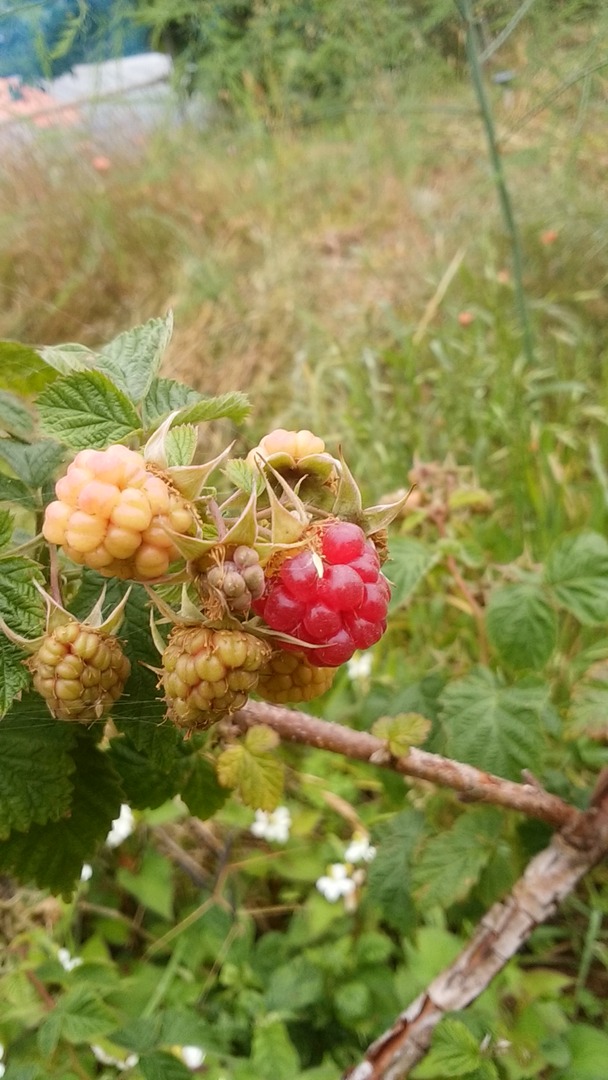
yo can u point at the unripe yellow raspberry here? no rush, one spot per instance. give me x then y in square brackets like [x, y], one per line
[208, 674]
[287, 677]
[112, 514]
[79, 671]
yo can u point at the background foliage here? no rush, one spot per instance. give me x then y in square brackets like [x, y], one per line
[354, 275]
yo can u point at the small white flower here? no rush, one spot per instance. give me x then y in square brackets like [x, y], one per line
[360, 850]
[67, 961]
[359, 667]
[192, 1056]
[87, 872]
[107, 1059]
[273, 827]
[336, 883]
[122, 827]
[2, 1069]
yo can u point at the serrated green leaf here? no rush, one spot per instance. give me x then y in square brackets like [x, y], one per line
[588, 1050]
[145, 786]
[577, 573]
[588, 712]
[133, 358]
[260, 739]
[273, 1055]
[180, 445]
[353, 1001]
[51, 855]
[34, 463]
[389, 880]
[151, 884]
[185, 1027]
[408, 565]
[16, 492]
[402, 732]
[22, 370]
[139, 1035]
[199, 788]
[161, 1066]
[49, 1034]
[83, 1016]
[67, 358]
[14, 676]
[450, 864]
[294, 986]
[522, 625]
[256, 775]
[233, 406]
[166, 396]
[21, 605]
[492, 726]
[35, 766]
[246, 479]
[15, 418]
[86, 410]
[454, 1052]
[6, 528]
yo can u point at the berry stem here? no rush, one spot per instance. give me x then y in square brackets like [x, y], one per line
[54, 580]
[475, 785]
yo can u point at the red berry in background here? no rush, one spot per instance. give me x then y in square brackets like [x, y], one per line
[334, 596]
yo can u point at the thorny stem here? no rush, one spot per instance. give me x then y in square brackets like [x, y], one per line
[474, 784]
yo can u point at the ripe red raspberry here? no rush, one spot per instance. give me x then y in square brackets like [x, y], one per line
[335, 597]
[79, 671]
[290, 677]
[208, 674]
[112, 512]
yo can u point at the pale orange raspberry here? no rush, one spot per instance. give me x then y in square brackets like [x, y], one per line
[112, 514]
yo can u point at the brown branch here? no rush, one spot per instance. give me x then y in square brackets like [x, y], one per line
[474, 784]
[547, 880]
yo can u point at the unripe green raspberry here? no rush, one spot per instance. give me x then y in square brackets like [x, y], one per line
[79, 671]
[288, 677]
[232, 583]
[112, 513]
[208, 674]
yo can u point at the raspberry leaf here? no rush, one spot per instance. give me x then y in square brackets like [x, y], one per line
[577, 574]
[6, 528]
[251, 769]
[522, 625]
[15, 419]
[22, 369]
[133, 358]
[199, 788]
[493, 726]
[231, 406]
[34, 463]
[35, 766]
[21, 604]
[145, 784]
[14, 676]
[402, 732]
[86, 410]
[390, 874]
[51, 855]
[180, 445]
[455, 1052]
[410, 562]
[15, 491]
[67, 358]
[450, 864]
[166, 396]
